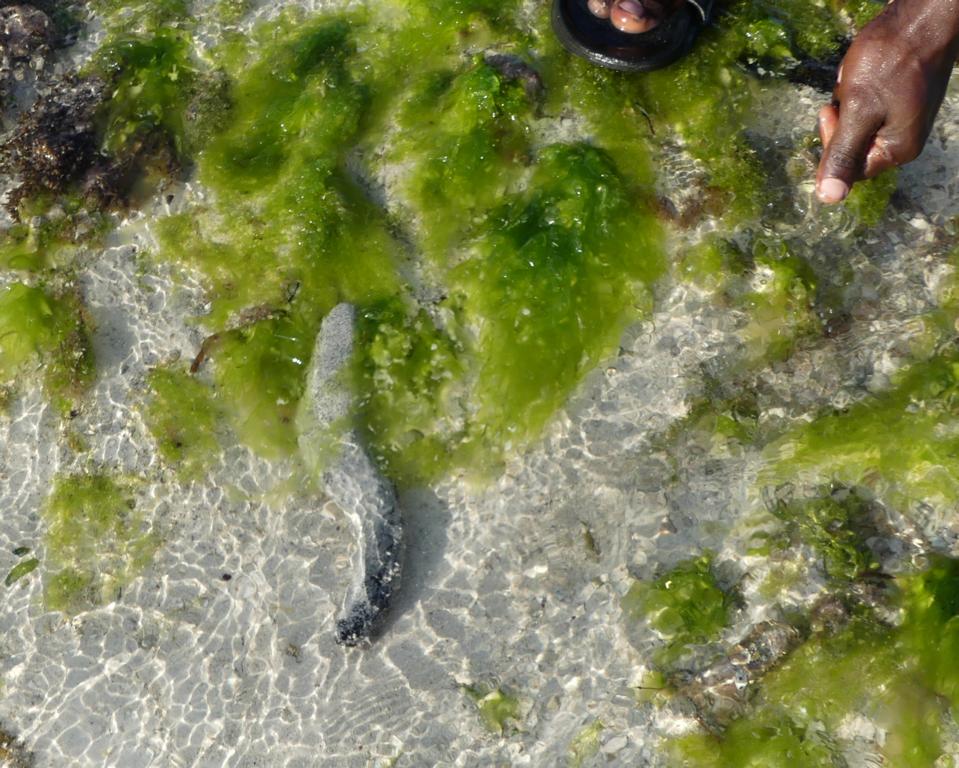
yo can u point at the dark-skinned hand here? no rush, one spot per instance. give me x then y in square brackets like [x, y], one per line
[890, 87]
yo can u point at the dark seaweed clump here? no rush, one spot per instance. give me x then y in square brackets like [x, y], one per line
[135, 115]
[55, 142]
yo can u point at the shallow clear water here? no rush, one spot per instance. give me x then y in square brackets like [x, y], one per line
[221, 651]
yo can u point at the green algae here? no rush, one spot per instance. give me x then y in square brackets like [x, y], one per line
[861, 12]
[781, 306]
[45, 335]
[21, 569]
[544, 295]
[557, 275]
[712, 264]
[406, 38]
[868, 200]
[835, 525]
[685, 606]
[782, 577]
[901, 443]
[544, 285]
[232, 11]
[498, 710]
[260, 375]
[50, 234]
[144, 17]
[182, 415]
[466, 156]
[288, 218]
[767, 279]
[151, 79]
[95, 542]
[409, 374]
[716, 423]
[585, 744]
[897, 675]
[291, 233]
[930, 631]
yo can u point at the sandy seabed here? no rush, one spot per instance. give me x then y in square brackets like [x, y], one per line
[191, 669]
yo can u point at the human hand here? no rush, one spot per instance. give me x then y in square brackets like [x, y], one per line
[890, 87]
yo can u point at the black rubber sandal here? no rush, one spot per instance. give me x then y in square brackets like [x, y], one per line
[596, 40]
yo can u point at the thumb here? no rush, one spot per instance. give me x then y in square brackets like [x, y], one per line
[847, 142]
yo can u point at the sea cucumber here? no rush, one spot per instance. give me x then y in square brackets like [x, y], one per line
[351, 479]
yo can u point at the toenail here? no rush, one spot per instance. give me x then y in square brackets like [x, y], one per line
[633, 8]
[599, 8]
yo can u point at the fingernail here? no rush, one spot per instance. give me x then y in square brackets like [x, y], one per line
[633, 8]
[833, 190]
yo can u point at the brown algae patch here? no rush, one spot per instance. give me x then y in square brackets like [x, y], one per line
[95, 542]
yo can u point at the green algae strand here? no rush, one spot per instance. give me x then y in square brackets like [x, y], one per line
[51, 234]
[20, 570]
[835, 526]
[260, 377]
[465, 157]
[551, 275]
[151, 79]
[559, 272]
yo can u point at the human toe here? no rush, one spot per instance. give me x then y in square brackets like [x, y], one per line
[599, 8]
[631, 16]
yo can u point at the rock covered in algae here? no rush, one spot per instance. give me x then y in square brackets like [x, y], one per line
[332, 447]
[55, 142]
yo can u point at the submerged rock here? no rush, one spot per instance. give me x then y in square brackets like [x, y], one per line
[721, 692]
[332, 446]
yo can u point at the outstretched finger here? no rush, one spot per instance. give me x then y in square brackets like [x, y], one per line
[828, 118]
[844, 155]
